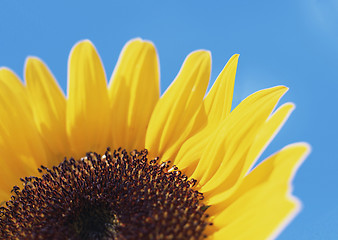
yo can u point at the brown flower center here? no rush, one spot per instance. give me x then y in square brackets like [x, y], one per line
[117, 196]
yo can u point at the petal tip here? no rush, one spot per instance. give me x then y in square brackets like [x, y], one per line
[305, 146]
[3, 69]
[201, 53]
[32, 60]
[290, 106]
[85, 44]
[282, 87]
[235, 56]
[137, 39]
[279, 89]
[137, 45]
[6, 70]
[202, 56]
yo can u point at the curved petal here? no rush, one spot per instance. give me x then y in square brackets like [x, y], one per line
[219, 99]
[266, 189]
[88, 105]
[267, 132]
[190, 153]
[263, 137]
[223, 157]
[170, 124]
[19, 157]
[133, 91]
[216, 107]
[48, 104]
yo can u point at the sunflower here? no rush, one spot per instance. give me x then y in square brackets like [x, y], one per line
[119, 161]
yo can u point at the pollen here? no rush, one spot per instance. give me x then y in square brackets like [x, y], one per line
[118, 195]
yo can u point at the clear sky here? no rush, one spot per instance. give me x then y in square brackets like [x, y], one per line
[292, 43]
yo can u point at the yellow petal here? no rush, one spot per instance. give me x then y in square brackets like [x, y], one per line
[19, 157]
[268, 131]
[219, 99]
[216, 106]
[88, 104]
[262, 139]
[49, 107]
[133, 91]
[223, 158]
[265, 190]
[190, 153]
[169, 124]
[260, 222]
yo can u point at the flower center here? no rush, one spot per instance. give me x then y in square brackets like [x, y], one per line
[117, 196]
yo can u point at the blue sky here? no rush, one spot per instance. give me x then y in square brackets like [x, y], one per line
[293, 43]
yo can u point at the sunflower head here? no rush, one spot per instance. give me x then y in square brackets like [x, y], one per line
[177, 166]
